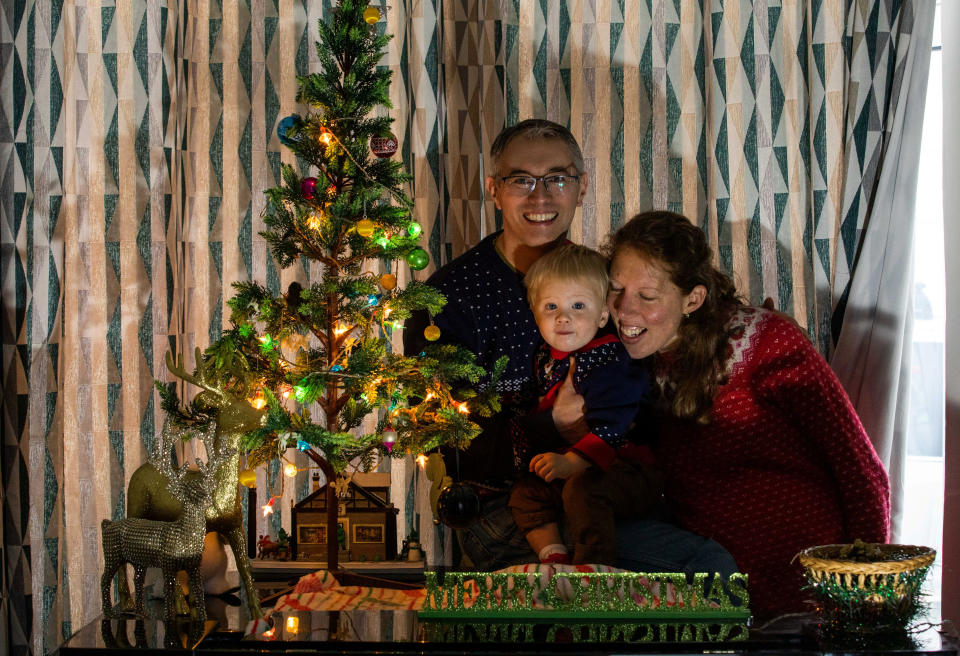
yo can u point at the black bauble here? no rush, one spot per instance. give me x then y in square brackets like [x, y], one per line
[458, 505]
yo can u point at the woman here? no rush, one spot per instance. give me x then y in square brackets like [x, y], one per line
[762, 450]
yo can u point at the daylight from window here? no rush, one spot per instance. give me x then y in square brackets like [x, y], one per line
[923, 520]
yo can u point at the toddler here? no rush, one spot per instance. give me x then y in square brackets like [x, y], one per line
[604, 475]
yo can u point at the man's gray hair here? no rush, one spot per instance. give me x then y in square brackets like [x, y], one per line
[535, 128]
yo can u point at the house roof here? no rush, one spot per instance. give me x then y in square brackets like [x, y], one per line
[358, 498]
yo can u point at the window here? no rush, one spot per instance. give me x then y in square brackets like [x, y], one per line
[923, 502]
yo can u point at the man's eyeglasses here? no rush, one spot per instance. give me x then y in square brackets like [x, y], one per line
[555, 183]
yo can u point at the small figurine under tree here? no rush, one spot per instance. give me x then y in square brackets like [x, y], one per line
[283, 544]
[329, 342]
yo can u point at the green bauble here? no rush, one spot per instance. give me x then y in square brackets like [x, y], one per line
[418, 259]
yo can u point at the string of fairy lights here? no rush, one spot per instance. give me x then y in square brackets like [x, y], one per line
[248, 477]
[346, 335]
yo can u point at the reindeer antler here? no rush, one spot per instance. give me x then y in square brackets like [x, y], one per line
[235, 412]
[202, 381]
[169, 437]
[218, 454]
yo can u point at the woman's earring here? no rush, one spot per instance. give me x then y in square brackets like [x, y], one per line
[686, 315]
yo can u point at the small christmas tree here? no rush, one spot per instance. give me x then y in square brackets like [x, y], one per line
[330, 343]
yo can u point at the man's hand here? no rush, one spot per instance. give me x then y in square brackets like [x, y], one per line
[568, 409]
[553, 466]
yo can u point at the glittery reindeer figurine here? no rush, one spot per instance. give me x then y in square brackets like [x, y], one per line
[171, 546]
[148, 498]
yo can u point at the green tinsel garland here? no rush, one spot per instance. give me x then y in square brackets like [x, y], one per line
[878, 614]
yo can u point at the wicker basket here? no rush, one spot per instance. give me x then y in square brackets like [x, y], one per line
[862, 600]
[896, 569]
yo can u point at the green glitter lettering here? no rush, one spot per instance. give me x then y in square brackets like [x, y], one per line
[737, 585]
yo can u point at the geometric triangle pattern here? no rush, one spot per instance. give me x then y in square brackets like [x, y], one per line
[138, 138]
[421, 123]
[733, 117]
[878, 38]
[17, 328]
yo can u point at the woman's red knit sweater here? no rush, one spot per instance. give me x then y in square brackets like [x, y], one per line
[784, 463]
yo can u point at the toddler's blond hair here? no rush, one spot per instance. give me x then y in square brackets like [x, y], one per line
[569, 262]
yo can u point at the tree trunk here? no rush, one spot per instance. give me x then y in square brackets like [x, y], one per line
[333, 544]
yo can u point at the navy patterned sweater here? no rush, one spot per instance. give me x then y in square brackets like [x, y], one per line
[487, 313]
[613, 387]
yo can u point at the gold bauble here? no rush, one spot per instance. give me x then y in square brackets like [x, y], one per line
[365, 227]
[388, 281]
[432, 333]
[371, 15]
[247, 478]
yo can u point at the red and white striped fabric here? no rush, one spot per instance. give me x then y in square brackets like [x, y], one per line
[320, 591]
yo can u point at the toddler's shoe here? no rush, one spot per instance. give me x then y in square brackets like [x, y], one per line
[556, 559]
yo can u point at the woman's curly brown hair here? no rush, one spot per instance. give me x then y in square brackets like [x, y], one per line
[698, 358]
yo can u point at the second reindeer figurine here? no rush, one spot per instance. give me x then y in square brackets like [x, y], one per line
[171, 546]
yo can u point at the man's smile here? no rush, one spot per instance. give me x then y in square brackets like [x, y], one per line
[540, 217]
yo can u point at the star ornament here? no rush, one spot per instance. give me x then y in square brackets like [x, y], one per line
[341, 485]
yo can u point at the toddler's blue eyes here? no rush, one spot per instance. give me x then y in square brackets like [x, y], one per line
[576, 305]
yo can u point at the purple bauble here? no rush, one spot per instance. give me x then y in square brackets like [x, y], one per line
[308, 188]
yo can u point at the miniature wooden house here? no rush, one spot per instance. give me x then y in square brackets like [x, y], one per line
[367, 522]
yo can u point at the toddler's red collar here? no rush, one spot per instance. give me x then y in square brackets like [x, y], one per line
[592, 344]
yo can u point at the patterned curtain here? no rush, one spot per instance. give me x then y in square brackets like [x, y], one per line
[728, 112]
[874, 315]
[137, 137]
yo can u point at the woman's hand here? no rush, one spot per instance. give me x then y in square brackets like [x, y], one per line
[553, 466]
[568, 409]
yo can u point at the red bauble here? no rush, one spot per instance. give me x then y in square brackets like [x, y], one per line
[384, 146]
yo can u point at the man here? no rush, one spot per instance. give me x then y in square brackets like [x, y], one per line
[487, 310]
[537, 182]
